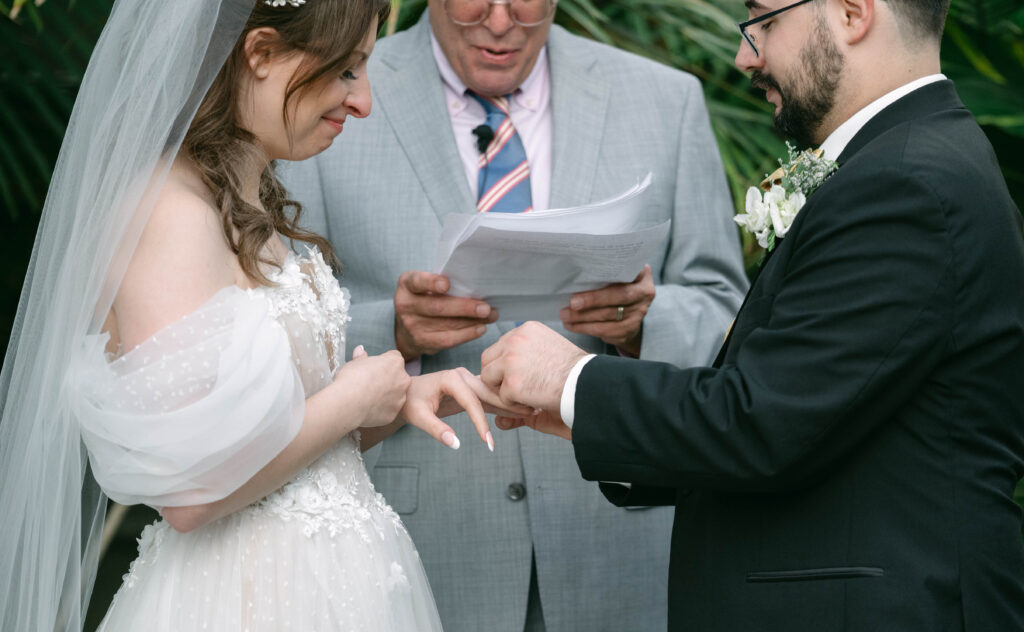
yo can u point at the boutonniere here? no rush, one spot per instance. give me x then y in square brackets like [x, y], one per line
[770, 215]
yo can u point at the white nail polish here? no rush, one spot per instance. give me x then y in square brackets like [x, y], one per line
[451, 440]
[490, 442]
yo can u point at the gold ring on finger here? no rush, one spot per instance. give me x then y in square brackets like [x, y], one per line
[619, 313]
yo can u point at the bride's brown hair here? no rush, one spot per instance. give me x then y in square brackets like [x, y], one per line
[328, 32]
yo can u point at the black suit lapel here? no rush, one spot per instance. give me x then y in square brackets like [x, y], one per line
[720, 358]
[753, 283]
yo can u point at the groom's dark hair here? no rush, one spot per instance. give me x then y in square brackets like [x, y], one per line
[924, 19]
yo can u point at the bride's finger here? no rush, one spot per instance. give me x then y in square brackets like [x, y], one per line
[419, 414]
[509, 410]
[455, 386]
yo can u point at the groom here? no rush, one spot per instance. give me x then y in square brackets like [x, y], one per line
[849, 461]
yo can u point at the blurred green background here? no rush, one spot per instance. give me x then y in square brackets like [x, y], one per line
[46, 47]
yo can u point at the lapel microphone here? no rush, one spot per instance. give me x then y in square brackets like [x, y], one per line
[484, 135]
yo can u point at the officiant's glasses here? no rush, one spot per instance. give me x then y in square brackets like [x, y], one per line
[522, 12]
[761, 18]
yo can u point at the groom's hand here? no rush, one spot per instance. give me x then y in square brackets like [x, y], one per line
[529, 366]
[545, 421]
[428, 321]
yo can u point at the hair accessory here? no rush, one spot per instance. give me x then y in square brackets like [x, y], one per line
[280, 3]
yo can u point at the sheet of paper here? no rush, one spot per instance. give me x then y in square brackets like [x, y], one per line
[527, 265]
[619, 214]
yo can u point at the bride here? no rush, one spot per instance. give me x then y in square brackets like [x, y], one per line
[179, 325]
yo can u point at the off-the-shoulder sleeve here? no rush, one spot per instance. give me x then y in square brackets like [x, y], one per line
[196, 410]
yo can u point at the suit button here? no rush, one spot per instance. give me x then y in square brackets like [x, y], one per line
[516, 492]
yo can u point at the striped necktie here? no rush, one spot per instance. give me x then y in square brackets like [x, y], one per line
[503, 183]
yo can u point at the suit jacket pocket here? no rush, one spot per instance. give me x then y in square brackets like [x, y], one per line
[814, 574]
[400, 486]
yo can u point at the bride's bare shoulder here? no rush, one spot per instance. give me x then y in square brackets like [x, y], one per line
[181, 260]
[185, 210]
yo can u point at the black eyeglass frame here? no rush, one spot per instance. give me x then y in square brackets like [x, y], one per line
[743, 26]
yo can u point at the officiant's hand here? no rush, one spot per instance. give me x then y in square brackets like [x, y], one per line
[427, 320]
[614, 313]
[529, 365]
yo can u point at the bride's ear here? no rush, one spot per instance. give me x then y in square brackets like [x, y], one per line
[258, 48]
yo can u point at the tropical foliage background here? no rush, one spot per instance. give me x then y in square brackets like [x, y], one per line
[46, 46]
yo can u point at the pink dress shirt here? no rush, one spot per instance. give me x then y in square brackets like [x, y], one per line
[530, 110]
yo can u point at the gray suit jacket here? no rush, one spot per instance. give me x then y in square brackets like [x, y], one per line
[380, 195]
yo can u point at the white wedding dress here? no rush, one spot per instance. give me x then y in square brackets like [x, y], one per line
[324, 552]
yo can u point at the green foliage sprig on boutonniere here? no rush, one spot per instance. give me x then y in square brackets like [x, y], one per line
[770, 215]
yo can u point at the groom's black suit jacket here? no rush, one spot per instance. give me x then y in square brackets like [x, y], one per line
[849, 464]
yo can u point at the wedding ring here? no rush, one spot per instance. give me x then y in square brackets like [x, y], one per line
[618, 315]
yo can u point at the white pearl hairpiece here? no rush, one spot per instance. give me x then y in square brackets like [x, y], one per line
[281, 3]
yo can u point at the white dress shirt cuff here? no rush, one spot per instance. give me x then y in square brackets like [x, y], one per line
[567, 407]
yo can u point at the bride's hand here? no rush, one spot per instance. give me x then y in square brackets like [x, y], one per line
[491, 400]
[444, 393]
[382, 383]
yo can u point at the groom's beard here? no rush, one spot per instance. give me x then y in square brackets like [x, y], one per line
[811, 93]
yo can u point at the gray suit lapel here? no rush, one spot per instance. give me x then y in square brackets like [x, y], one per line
[579, 99]
[412, 100]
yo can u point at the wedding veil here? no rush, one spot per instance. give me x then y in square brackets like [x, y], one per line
[148, 73]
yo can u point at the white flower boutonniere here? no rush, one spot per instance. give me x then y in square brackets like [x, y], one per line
[769, 216]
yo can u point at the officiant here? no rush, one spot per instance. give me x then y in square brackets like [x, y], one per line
[487, 107]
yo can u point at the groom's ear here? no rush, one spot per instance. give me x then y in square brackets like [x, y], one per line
[259, 45]
[856, 19]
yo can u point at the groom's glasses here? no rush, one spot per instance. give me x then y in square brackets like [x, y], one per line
[522, 12]
[749, 37]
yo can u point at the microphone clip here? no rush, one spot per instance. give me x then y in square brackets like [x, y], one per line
[484, 135]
